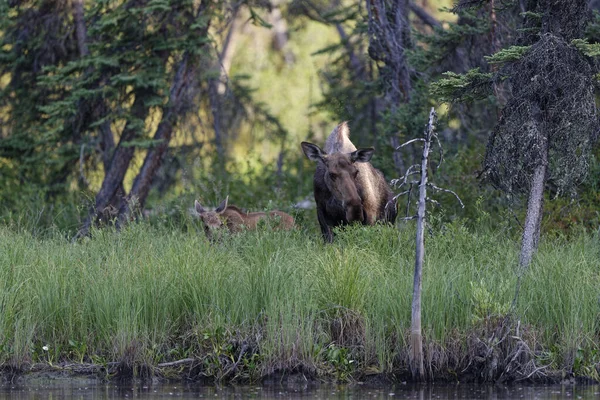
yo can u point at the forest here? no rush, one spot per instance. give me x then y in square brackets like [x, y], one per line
[121, 121]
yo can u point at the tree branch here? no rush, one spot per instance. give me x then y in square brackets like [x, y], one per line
[447, 191]
[409, 142]
[424, 16]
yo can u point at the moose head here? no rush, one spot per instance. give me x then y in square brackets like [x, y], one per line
[340, 177]
[212, 219]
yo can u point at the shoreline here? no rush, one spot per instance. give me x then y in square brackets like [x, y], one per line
[187, 371]
[81, 373]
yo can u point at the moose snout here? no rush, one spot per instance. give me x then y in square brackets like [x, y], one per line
[354, 212]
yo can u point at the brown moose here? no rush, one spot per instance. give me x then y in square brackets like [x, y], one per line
[347, 187]
[236, 220]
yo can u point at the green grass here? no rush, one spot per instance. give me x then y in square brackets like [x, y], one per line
[152, 294]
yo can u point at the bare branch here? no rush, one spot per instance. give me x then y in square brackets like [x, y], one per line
[446, 190]
[437, 203]
[408, 218]
[409, 142]
[176, 363]
[441, 150]
[533, 372]
[403, 179]
[402, 194]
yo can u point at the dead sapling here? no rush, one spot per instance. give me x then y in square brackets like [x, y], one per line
[429, 139]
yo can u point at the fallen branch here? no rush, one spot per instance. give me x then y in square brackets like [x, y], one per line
[175, 363]
[234, 365]
[533, 372]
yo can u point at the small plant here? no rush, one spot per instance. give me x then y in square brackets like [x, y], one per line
[43, 353]
[77, 350]
[339, 358]
[220, 352]
[484, 303]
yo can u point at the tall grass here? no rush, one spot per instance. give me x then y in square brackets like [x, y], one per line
[148, 295]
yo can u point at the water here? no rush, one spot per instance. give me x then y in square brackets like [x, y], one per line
[82, 389]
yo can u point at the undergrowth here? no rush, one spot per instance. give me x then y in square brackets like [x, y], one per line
[154, 300]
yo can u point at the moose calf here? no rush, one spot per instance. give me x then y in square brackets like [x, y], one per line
[235, 220]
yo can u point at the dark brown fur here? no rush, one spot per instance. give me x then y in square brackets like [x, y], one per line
[347, 187]
[236, 220]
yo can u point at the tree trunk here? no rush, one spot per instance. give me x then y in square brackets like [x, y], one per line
[389, 37]
[416, 336]
[80, 29]
[141, 184]
[533, 219]
[280, 33]
[113, 179]
[226, 54]
[424, 16]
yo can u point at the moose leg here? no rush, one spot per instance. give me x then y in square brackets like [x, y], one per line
[390, 212]
[325, 228]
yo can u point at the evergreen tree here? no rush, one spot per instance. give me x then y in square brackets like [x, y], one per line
[549, 122]
[88, 80]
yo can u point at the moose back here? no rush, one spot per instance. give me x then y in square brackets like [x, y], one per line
[347, 187]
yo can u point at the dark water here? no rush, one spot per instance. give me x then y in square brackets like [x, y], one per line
[93, 390]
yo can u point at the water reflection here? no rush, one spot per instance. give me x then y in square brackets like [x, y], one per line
[52, 390]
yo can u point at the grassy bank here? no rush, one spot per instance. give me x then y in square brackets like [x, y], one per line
[136, 302]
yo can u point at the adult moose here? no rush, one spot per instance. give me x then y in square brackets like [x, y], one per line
[347, 187]
[235, 220]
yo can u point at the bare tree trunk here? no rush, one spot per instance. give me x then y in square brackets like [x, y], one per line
[113, 180]
[80, 29]
[533, 219]
[416, 336]
[280, 33]
[171, 112]
[389, 37]
[141, 184]
[226, 54]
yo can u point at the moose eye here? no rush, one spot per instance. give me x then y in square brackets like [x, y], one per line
[355, 173]
[333, 176]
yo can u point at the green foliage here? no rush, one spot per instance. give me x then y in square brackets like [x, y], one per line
[57, 106]
[509, 54]
[432, 50]
[587, 49]
[474, 85]
[592, 31]
[257, 19]
[339, 358]
[484, 305]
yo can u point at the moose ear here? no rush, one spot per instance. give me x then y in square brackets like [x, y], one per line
[222, 206]
[362, 155]
[198, 207]
[312, 151]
